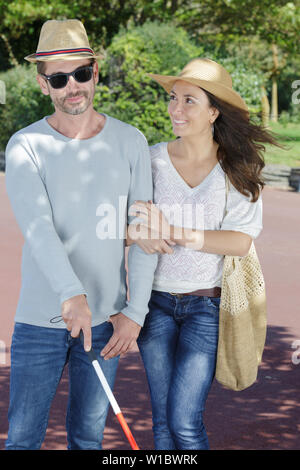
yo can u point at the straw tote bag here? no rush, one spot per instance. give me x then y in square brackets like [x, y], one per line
[243, 320]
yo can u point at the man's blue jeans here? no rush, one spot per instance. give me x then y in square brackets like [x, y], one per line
[178, 344]
[38, 357]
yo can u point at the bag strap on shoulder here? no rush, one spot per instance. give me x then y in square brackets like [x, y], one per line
[227, 186]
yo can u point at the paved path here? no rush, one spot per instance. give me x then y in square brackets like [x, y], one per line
[266, 416]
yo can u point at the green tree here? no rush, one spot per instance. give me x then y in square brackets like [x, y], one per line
[20, 25]
[275, 23]
[24, 101]
[126, 91]
[21, 21]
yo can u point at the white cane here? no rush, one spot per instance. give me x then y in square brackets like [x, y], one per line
[93, 358]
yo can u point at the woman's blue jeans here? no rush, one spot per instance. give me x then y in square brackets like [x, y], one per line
[38, 357]
[178, 344]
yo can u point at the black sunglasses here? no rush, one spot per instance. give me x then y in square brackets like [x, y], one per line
[60, 80]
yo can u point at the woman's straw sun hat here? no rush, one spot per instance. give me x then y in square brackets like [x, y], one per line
[206, 74]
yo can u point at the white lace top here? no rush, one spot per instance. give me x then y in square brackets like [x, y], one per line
[202, 208]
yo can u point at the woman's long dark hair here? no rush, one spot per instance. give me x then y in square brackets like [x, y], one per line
[241, 147]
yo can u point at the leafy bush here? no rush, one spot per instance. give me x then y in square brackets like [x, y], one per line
[245, 81]
[126, 92]
[24, 101]
[291, 116]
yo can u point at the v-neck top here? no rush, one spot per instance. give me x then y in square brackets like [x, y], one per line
[180, 179]
[201, 207]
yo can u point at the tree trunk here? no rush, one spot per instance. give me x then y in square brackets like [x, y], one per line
[174, 6]
[13, 61]
[274, 110]
[265, 108]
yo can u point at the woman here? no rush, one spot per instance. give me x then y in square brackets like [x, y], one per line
[186, 225]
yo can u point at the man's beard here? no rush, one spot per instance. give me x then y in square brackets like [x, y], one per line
[74, 108]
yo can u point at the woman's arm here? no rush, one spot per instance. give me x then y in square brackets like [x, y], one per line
[222, 242]
[149, 243]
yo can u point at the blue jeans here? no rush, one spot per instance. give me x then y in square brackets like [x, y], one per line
[178, 345]
[38, 357]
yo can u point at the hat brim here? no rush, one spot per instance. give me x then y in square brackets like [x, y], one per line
[33, 58]
[220, 91]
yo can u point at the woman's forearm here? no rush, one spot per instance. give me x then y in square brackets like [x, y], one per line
[222, 242]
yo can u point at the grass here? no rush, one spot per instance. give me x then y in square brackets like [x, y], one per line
[289, 136]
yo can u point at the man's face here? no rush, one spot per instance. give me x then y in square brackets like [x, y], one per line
[75, 98]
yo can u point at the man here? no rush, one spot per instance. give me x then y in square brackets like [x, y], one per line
[62, 174]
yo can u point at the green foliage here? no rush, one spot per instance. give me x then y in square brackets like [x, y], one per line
[21, 20]
[24, 101]
[127, 92]
[246, 81]
[224, 21]
[291, 116]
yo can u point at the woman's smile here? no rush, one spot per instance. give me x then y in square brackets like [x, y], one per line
[178, 122]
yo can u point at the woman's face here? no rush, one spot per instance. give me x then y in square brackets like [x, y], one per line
[190, 111]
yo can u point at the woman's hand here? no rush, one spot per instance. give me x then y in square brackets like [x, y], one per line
[152, 218]
[155, 228]
[153, 234]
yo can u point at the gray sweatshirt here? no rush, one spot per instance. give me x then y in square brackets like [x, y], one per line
[71, 199]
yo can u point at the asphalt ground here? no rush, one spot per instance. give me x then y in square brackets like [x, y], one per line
[265, 416]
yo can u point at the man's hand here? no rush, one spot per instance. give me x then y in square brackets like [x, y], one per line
[126, 332]
[77, 316]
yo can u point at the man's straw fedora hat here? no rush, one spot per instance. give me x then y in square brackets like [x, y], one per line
[62, 40]
[206, 74]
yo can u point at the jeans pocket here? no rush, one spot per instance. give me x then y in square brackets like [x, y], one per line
[214, 302]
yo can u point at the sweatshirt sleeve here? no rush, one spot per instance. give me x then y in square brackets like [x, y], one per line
[141, 266]
[32, 208]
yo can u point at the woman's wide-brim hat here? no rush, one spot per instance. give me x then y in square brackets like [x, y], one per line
[62, 40]
[206, 74]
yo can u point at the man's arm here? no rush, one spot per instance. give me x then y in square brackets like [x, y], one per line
[32, 209]
[141, 266]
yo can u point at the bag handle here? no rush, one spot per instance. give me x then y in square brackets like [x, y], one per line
[227, 186]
